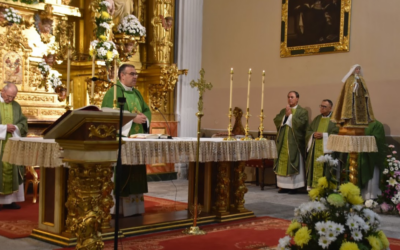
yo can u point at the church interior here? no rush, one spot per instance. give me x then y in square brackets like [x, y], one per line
[223, 124]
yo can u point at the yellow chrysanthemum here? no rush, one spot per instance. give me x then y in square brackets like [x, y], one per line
[349, 189]
[105, 15]
[302, 236]
[314, 193]
[349, 246]
[109, 55]
[293, 226]
[102, 38]
[322, 182]
[355, 200]
[384, 240]
[336, 200]
[374, 242]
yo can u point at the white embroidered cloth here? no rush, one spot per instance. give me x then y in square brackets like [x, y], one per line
[349, 144]
[47, 153]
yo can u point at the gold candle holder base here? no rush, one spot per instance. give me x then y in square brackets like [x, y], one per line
[115, 104]
[261, 139]
[193, 231]
[261, 127]
[230, 138]
[246, 129]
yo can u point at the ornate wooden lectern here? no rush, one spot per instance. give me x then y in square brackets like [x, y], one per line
[89, 140]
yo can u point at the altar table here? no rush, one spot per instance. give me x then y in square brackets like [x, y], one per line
[221, 178]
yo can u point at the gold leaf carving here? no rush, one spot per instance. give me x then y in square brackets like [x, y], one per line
[102, 131]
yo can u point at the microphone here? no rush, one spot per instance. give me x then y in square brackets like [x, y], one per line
[99, 79]
[169, 129]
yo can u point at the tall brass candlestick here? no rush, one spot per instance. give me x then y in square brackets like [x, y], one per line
[246, 129]
[92, 88]
[115, 86]
[261, 127]
[67, 105]
[230, 138]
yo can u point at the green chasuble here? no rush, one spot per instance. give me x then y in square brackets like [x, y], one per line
[11, 176]
[315, 169]
[368, 161]
[134, 178]
[290, 142]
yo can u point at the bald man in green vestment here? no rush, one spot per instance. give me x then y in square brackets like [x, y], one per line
[133, 178]
[317, 138]
[291, 124]
[12, 124]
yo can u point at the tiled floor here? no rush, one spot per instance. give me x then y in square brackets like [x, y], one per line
[262, 203]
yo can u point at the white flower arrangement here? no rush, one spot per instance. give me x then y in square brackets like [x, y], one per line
[335, 219]
[12, 16]
[328, 159]
[54, 81]
[103, 50]
[44, 68]
[130, 25]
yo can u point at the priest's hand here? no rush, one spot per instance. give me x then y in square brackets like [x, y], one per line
[288, 110]
[10, 128]
[140, 118]
[318, 135]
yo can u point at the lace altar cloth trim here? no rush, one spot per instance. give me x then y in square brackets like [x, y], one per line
[348, 144]
[47, 153]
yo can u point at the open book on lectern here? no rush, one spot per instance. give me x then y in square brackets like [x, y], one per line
[73, 118]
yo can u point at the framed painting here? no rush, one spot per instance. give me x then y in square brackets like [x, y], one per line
[312, 27]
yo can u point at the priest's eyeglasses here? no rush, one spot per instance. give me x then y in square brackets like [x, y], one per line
[322, 106]
[132, 74]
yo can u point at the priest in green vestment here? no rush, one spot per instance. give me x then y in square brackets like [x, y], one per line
[291, 124]
[317, 139]
[133, 178]
[12, 124]
[370, 165]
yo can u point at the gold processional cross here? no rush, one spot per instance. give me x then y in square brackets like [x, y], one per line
[201, 85]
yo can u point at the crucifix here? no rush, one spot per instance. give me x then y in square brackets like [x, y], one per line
[201, 86]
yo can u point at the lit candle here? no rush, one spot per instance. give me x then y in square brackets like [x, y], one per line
[248, 89]
[262, 90]
[230, 94]
[115, 79]
[93, 65]
[68, 70]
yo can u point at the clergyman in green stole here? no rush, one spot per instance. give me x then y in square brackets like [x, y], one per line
[372, 164]
[291, 124]
[133, 178]
[317, 138]
[12, 124]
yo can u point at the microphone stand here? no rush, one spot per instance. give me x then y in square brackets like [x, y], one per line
[121, 102]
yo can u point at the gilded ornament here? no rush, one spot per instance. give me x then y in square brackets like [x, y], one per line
[168, 78]
[44, 23]
[102, 131]
[56, 112]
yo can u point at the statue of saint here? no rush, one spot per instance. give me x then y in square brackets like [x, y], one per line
[353, 109]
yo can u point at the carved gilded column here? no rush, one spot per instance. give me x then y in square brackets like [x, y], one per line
[89, 202]
[240, 188]
[222, 189]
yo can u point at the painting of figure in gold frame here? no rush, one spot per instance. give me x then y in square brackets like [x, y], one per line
[12, 68]
[312, 27]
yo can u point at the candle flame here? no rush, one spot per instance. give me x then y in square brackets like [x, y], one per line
[263, 72]
[231, 70]
[249, 71]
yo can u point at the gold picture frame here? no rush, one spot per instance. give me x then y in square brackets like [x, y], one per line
[315, 27]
